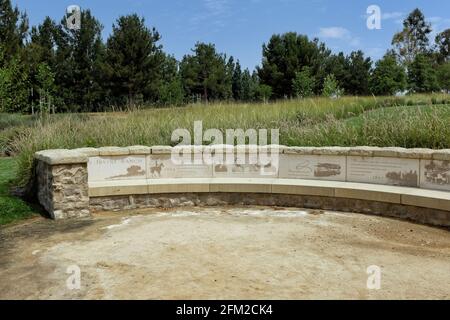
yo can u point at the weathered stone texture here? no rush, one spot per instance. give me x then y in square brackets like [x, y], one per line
[63, 189]
[416, 214]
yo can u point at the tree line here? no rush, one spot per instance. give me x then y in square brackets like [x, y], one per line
[51, 68]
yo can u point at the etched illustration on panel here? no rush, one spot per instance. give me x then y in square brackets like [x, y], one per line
[383, 170]
[244, 170]
[162, 167]
[109, 168]
[327, 170]
[438, 172]
[312, 167]
[133, 171]
[156, 169]
[404, 179]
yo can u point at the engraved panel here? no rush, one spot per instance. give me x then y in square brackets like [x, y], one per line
[162, 167]
[383, 170]
[110, 168]
[435, 174]
[312, 167]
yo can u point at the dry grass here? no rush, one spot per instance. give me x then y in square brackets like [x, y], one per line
[416, 121]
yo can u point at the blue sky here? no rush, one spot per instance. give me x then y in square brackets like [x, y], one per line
[240, 27]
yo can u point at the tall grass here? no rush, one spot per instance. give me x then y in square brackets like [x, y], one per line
[348, 121]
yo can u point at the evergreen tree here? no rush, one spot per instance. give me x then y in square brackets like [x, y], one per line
[236, 85]
[250, 83]
[133, 61]
[13, 30]
[43, 43]
[443, 74]
[388, 77]
[206, 73]
[171, 89]
[338, 66]
[443, 46]
[287, 54]
[422, 75]
[76, 62]
[357, 74]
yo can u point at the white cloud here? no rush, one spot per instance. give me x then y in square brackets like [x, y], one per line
[339, 33]
[334, 33]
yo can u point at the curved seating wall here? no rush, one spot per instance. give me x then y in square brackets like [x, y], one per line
[407, 183]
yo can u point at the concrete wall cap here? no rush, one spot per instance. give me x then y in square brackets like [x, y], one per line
[139, 150]
[417, 153]
[392, 152]
[113, 151]
[443, 155]
[364, 151]
[299, 150]
[90, 152]
[161, 149]
[61, 156]
[331, 151]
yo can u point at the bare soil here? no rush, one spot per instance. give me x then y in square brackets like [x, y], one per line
[224, 253]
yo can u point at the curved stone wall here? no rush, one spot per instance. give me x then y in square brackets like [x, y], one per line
[412, 178]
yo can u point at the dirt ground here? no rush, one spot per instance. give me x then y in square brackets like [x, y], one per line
[223, 253]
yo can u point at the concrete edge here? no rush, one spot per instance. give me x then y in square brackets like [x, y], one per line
[439, 200]
[363, 151]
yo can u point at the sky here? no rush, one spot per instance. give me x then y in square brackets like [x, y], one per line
[240, 27]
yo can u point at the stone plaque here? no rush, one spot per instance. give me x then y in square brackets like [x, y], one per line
[162, 167]
[435, 174]
[110, 168]
[312, 167]
[383, 170]
[248, 166]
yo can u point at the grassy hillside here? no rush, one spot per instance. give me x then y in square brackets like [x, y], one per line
[416, 121]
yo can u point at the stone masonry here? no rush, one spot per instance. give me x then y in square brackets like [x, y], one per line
[62, 183]
[412, 184]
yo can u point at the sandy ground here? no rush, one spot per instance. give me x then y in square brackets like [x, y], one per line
[224, 253]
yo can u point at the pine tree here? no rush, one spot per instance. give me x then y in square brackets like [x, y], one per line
[237, 82]
[357, 74]
[250, 83]
[133, 61]
[171, 90]
[13, 30]
[287, 54]
[422, 75]
[206, 73]
[388, 76]
[443, 74]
